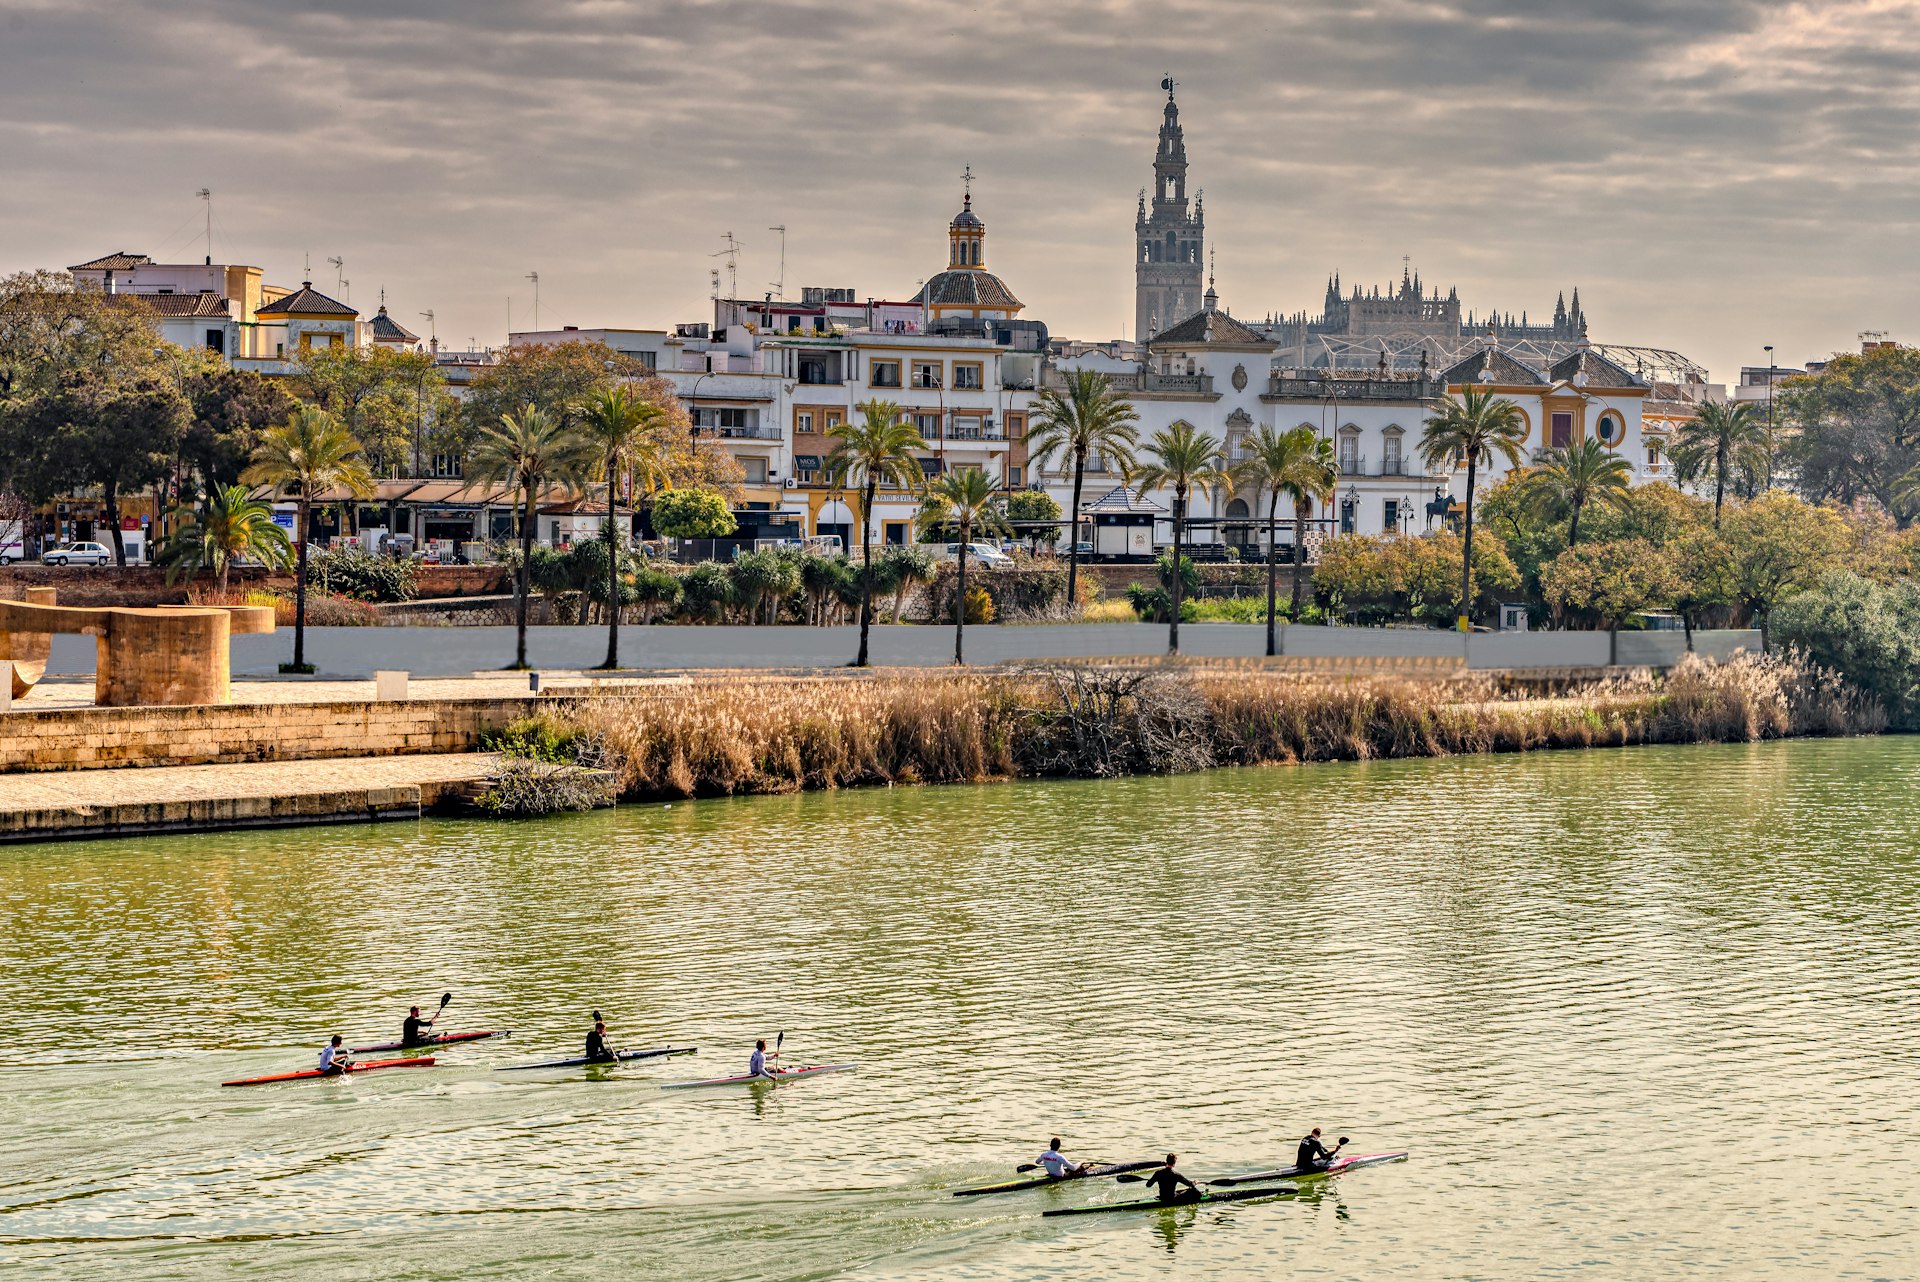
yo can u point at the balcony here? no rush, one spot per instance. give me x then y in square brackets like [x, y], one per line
[1362, 467]
[975, 434]
[759, 432]
[1191, 384]
[1401, 390]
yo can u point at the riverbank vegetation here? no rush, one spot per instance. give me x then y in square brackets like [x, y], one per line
[745, 735]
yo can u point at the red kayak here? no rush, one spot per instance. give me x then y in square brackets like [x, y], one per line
[444, 1039]
[368, 1067]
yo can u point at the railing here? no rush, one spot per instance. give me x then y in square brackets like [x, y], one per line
[1201, 384]
[976, 434]
[819, 380]
[762, 432]
[1356, 389]
[1359, 466]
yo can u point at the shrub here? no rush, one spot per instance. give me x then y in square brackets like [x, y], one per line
[1189, 574]
[706, 591]
[692, 514]
[656, 592]
[1023, 592]
[980, 606]
[352, 572]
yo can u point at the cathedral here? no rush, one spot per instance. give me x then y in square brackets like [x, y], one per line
[1402, 328]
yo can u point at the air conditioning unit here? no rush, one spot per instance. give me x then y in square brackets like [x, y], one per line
[789, 484]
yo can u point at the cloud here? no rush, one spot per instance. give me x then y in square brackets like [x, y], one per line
[1714, 174]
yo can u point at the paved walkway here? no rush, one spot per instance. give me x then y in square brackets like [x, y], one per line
[159, 785]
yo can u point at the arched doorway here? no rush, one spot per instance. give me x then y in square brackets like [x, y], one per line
[837, 518]
[1237, 534]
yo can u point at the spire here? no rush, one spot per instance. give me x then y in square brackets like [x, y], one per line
[1212, 298]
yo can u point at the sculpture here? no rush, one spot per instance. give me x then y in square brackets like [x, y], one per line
[164, 655]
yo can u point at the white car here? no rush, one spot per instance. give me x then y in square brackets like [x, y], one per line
[78, 554]
[983, 554]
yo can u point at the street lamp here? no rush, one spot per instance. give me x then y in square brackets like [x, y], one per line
[1769, 351]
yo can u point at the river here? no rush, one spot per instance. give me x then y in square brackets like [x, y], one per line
[1634, 1012]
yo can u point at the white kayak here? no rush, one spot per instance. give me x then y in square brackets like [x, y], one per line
[772, 1076]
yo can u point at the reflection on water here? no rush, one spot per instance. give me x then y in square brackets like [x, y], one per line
[1632, 1011]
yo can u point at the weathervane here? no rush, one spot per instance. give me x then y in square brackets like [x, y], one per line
[966, 178]
[1167, 83]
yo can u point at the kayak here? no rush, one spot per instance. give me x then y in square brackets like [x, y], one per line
[779, 1074]
[1118, 1168]
[443, 1039]
[1155, 1204]
[582, 1061]
[368, 1067]
[1341, 1165]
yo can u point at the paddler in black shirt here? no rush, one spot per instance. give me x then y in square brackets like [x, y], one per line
[410, 1034]
[598, 1052]
[1313, 1155]
[1166, 1183]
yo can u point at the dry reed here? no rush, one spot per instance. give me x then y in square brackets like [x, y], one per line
[732, 735]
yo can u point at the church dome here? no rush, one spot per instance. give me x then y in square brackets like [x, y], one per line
[968, 287]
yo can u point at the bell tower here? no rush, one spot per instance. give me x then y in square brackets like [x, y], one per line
[1168, 236]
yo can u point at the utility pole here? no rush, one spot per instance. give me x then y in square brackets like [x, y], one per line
[1769, 351]
[780, 286]
[535, 278]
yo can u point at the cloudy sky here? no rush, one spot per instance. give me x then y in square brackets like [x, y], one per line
[1713, 174]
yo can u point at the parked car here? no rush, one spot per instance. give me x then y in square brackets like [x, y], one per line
[978, 554]
[78, 554]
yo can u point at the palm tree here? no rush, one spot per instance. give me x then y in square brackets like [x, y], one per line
[524, 452]
[1182, 457]
[618, 424]
[310, 453]
[1720, 441]
[1088, 418]
[1298, 463]
[1568, 477]
[233, 525]
[962, 500]
[877, 449]
[1476, 424]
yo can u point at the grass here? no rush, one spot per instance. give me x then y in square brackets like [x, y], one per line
[740, 735]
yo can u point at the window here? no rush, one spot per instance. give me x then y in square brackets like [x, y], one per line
[1013, 478]
[885, 373]
[928, 374]
[1392, 514]
[1562, 429]
[1347, 507]
[726, 419]
[755, 469]
[1390, 457]
[966, 377]
[1653, 456]
[834, 419]
[447, 465]
[216, 341]
[1350, 453]
[1612, 429]
[803, 421]
[1016, 426]
[647, 360]
[928, 425]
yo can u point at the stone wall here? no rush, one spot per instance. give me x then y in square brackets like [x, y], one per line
[146, 585]
[99, 738]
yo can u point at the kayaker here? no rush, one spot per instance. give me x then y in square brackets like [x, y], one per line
[757, 1062]
[598, 1052]
[1166, 1183]
[333, 1058]
[1056, 1166]
[1313, 1155]
[410, 1027]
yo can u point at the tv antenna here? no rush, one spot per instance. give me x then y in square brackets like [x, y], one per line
[340, 276]
[732, 254]
[535, 278]
[433, 335]
[780, 286]
[714, 273]
[206, 194]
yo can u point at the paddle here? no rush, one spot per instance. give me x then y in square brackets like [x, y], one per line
[779, 1040]
[444, 999]
[598, 1018]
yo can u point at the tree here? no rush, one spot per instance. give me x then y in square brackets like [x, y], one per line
[963, 500]
[525, 452]
[54, 329]
[1089, 417]
[387, 399]
[1610, 581]
[1703, 575]
[1298, 463]
[308, 454]
[1853, 429]
[1867, 631]
[878, 448]
[1779, 545]
[1568, 477]
[232, 525]
[1720, 442]
[232, 410]
[1039, 512]
[93, 430]
[1474, 425]
[692, 514]
[615, 421]
[1178, 457]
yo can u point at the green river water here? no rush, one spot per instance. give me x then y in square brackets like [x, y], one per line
[1635, 1013]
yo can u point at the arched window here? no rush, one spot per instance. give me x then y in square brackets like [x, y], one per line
[1172, 247]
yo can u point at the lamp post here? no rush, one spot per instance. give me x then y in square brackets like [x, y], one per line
[1769, 477]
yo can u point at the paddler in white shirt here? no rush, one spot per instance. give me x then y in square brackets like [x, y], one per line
[334, 1060]
[1056, 1165]
[757, 1063]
